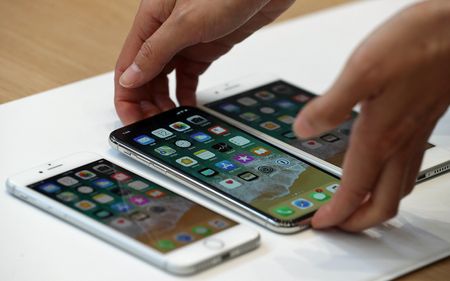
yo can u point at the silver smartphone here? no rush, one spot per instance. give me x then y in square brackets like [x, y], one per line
[266, 106]
[266, 184]
[133, 213]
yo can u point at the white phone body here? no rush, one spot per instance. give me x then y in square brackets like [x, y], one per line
[436, 160]
[186, 260]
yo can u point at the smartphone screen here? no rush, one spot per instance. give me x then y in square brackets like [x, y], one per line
[133, 205]
[232, 162]
[272, 108]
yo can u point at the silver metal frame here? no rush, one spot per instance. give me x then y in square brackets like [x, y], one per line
[207, 191]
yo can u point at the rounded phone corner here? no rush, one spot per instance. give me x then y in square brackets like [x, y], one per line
[10, 186]
[287, 227]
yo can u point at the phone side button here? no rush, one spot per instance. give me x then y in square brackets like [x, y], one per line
[214, 244]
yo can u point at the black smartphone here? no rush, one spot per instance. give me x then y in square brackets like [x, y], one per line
[241, 171]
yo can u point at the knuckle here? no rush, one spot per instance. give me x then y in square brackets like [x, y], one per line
[365, 65]
[146, 50]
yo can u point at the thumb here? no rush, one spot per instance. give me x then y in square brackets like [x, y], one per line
[155, 53]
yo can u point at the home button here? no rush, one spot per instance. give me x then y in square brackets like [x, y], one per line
[213, 243]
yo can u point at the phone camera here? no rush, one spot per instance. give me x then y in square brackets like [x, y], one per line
[40, 172]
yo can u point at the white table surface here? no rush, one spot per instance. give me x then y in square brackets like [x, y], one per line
[78, 117]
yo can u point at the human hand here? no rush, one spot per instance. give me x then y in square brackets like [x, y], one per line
[400, 76]
[185, 36]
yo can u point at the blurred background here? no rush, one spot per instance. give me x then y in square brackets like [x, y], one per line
[49, 43]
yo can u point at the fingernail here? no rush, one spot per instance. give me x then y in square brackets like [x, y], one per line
[131, 76]
[303, 128]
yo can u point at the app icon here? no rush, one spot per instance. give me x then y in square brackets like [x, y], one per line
[155, 193]
[243, 158]
[144, 140]
[67, 196]
[267, 110]
[180, 126]
[197, 119]
[285, 104]
[319, 195]
[67, 181]
[282, 89]
[85, 175]
[333, 188]
[186, 161]
[222, 147]
[85, 189]
[50, 188]
[103, 168]
[165, 150]
[238, 140]
[103, 214]
[311, 144]
[301, 98]
[345, 131]
[204, 154]
[329, 138]
[266, 170]
[162, 133]
[165, 245]
[249, 116]
[247, 101]
[157, 209]
[121, 223]
[139, 200]
[302, 203]
[139, 216]
[85, 205]
[230, 183]
[286, 119]
[218, 223]
[284, 211]
[282, 162]
[261, 151]
[247, 176]
[120, 191]
[207, 172]
[183, 143]
[103, 183]
[289, 135]
[225, 165]
[119, 176]
[103, 198]
[121, 207]
[200, 137]
[218, 130]
[138, 185]
[184, 237]
[229, 107]
[269, 125]
[201, 230]
[264, 95]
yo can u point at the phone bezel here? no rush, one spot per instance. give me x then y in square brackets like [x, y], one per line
[183, 261]
[263, 218]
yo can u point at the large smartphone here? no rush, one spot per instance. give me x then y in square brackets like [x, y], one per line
[266, 106]
[241, 171]
[133, 213]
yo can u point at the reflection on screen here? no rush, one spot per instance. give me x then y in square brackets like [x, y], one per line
[233, 162]
[133, 205]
